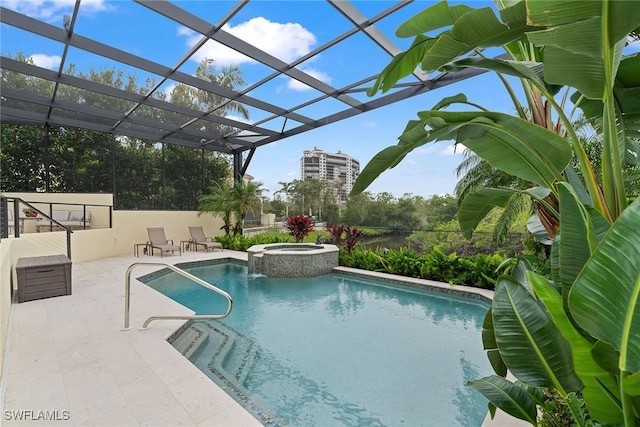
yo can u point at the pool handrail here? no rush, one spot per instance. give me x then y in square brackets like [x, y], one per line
[127, 296]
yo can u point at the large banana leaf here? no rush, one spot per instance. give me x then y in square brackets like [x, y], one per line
[491, 347]
[402, 65]
[511, 398]
[508, 143]
[622, 16]
[476, 28]
[530, 344]
[599, 387]
[627, 97]
[537, 230]
[437, 16]
[579, 239]
[469, 29]
[476, 206]
[605, 298]
[572, 33]
[532, 71]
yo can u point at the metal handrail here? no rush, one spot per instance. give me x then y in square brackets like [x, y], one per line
[127, 296]
[16, 214]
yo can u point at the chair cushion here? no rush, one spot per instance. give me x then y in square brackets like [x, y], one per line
[60, 215]
[76, 216]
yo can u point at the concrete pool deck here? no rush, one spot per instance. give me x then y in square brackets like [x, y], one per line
[69, 357]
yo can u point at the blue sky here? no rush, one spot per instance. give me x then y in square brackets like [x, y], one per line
[287, 30]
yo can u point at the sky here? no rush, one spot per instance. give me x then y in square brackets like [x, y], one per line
[287, 30]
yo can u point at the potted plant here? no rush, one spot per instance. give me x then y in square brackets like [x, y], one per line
[30, 212]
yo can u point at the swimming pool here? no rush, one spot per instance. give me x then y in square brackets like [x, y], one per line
[335, 349]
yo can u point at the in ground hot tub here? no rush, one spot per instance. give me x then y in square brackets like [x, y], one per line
[292, 259]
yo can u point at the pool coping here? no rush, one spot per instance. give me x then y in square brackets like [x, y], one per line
[485, 295]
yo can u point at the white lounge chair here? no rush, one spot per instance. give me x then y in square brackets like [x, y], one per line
[157, 240]
[198, 238]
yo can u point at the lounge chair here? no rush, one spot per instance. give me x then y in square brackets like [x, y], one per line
[67, 218]
[157, 240]
[198, 238]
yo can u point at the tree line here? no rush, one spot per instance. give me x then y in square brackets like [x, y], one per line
[141, 174]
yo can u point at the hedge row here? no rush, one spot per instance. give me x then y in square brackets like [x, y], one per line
[481, 271]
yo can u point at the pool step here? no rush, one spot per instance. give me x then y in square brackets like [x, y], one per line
[234, 355]
[190, 340]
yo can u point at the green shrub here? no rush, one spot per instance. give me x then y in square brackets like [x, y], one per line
[438, 266]
[480, 271]
[404, 262]
[364, 259]
[242, 243]
[270, 237]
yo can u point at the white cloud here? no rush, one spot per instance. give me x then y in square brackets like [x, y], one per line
[52, 10]
[51, 62]
[451, 150]
[287, 41]
[429, 148]
[299, 86]
[168, 90]
[439, 149]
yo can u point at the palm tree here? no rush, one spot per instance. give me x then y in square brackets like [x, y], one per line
[286, 188]
[317, 191]
[475, 173]
[218, 203]
[245, 199]
[228, 77]
[302, 194]
[226, 199]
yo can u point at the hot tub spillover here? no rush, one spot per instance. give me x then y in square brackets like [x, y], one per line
[292, 259]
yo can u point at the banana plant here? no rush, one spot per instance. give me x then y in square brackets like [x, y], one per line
[552, 44]
[579, 331]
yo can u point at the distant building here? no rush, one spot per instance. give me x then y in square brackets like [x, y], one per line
[339, 169]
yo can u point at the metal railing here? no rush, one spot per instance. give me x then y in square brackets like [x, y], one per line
[16, 219]
[84, 223]
[127, 296]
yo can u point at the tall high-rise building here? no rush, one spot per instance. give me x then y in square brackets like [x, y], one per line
[339, 169]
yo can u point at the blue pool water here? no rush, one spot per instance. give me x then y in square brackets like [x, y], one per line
[336, 350]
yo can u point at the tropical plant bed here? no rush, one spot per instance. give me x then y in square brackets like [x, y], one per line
[480, 271]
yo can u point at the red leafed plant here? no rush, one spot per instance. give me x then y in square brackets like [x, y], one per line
[352, 235]
[299, 226]
[336, 231]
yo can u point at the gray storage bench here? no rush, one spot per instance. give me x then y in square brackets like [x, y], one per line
[43, 277]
